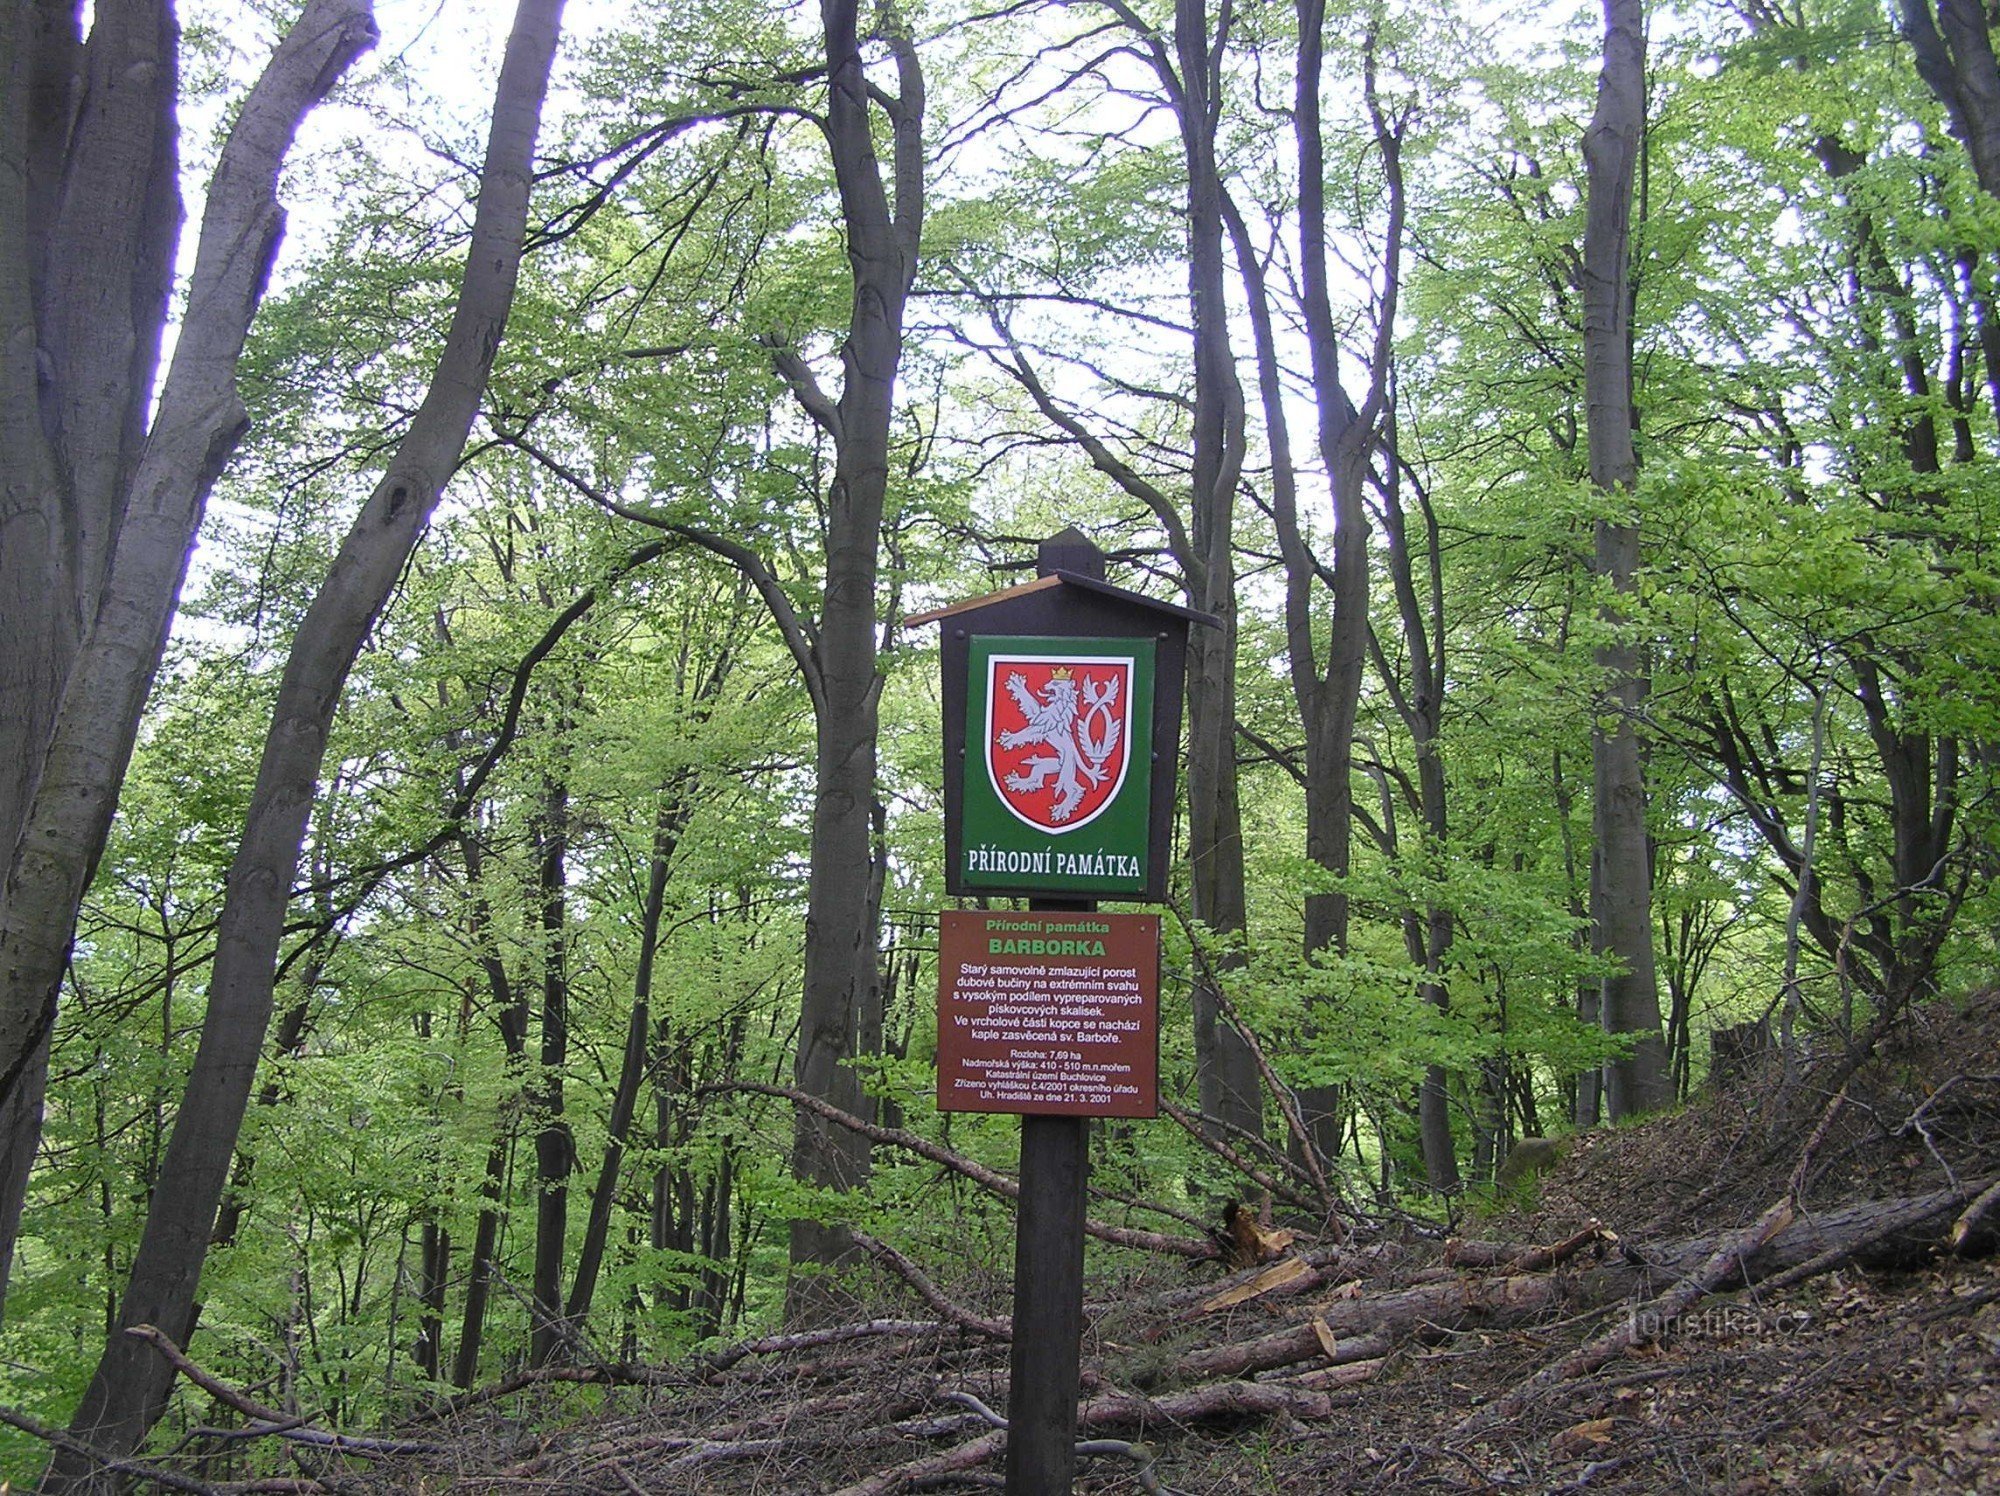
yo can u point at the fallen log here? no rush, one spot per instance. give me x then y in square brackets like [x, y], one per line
[1885, 1235]
[1737, 1259]
[1872, 1233]
[1378, 1320]
[918, 1279]
[1518, 1258]
[1218, 1402]
[1729, 1258]
[966, 1456]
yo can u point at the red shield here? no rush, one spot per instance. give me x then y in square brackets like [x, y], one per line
[1058, 735]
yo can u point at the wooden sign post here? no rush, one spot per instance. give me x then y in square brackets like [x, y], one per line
[1062, 710]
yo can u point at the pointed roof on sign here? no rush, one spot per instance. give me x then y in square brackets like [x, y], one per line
[1069, 550]
[1069, 558]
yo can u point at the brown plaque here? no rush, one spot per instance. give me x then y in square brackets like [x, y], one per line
[1049, 1014]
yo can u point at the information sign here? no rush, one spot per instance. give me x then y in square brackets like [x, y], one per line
[1049, 1014]
[1058, 789]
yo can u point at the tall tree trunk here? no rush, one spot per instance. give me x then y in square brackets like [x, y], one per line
[555, 1147]
[841, 923]
[485, 1242]
[128, 1392]
[1229, 1086]
[1346, 437]
[1420, 703]
[1622, 906]
[632, 1067]
[96, 526]
[433, 1272]
[1326, 679]
[1954, 56]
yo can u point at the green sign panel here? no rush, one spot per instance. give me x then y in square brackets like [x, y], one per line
[1058, 764]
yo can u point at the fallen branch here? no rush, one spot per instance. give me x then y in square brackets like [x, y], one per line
[1875, 1233]
[1222, 1401]
[1894, 1224]
[929, 1292]
[613, 1374]
[1459, 1252]
[1191, 1247]
[1640, 1324]
[1288, 1106]
[1191, 1125]
[1225, 1401]
[1729, 1259]
[966, 1456]
[270, 1422]
[103, 1463]
[1350, 1374]
[1963, 1229]
[800, 1340]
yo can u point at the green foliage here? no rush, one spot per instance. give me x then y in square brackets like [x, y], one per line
[1814, 269]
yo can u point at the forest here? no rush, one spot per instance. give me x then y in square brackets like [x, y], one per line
[473, 793]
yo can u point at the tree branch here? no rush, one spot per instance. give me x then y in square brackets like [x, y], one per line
[988, 1179]
[799, 635]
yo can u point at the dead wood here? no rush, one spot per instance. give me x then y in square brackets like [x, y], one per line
[1196, 1248]
[1353, 1374]
[616, 1374]
[270, 1422]
[1330, 1266]
[966, 1456]
[110, 1464]
[1209, 1403]
[1722, 1264]
[1874, 1233]
[800, 1340]
[1889, 1234]
[1966, 1227]
[1899, 1235]
[1728, 1260]
[1288, 1103]
[1216, 1402]
[1520, 1258]
[1270, 1184]
[1381, 1318]
[910, 1273]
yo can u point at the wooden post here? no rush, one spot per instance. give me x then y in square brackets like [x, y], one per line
[1130, 654]
[1048, 1307]
[1047, 1350]
[1048, 1293]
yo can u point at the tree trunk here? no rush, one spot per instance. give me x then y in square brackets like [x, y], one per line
[841, 923]
[485, 1242]
[95, 528]
[1230, 1090]
[511, 1012]
[1954, 56]
[555, 1147]
[1621, 910]
[129, 1390]
[632, 1067]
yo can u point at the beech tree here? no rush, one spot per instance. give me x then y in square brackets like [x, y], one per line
[833, 638]
[479, 964]
[99, 505]
[129, 1391]
[1621, 871]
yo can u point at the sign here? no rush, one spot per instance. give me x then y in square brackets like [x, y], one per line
[1049, 1014]
[1062, 716]
[1057, 779]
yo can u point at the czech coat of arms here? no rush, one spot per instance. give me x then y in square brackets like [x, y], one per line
[1058, 735]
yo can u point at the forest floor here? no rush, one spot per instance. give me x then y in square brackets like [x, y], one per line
[1865, 1358]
